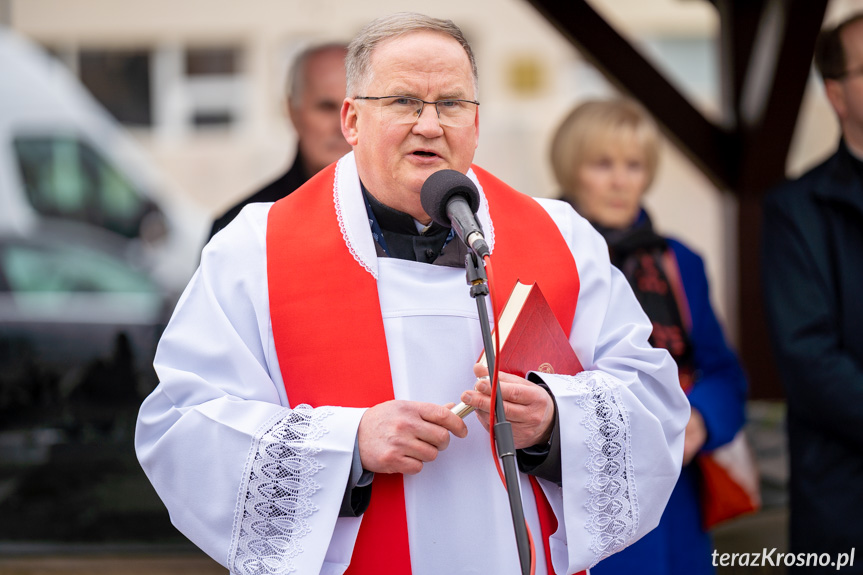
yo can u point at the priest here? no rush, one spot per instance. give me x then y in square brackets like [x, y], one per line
[301, 422]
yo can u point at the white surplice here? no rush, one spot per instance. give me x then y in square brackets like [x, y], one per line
[258, 486]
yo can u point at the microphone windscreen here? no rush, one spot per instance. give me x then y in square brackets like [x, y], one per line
[440, 187]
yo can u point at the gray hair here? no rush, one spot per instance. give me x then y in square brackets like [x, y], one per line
[358, 60]
[597, 125]
[296, 84]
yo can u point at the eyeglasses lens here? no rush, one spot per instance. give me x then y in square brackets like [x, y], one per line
[452, 113]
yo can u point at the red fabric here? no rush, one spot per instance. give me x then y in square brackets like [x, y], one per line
[547, 521]
[322, 363]
[722, 497]
[538, 255]
[539, 259]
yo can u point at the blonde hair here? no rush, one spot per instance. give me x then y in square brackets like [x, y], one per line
[596, 125]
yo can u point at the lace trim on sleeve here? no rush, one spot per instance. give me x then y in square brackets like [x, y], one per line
[612, 506]
[276, 496]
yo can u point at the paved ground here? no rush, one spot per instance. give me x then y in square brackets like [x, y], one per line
[765, 530]
[750, 534]
[107, 565]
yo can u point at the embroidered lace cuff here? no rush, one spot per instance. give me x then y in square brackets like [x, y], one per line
[612, 506]
[275, 498]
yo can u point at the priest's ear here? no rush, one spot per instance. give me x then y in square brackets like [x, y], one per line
[350, 121]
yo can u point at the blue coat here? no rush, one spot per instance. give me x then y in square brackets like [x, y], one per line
[679, 545]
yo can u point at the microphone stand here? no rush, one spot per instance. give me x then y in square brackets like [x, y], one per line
[478, 281]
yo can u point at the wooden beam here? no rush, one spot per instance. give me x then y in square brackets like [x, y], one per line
[737, 31]
[766, 49]
[707, 145]
[767, 138]
[766, 119]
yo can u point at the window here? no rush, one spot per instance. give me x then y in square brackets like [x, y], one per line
[173, 88]
[120, 80]
[65, 177]
[212, 62]
[213, 84]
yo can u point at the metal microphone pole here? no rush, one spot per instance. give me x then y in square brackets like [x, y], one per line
[478, 281]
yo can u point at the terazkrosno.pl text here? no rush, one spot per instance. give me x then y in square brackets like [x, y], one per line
[772, 558]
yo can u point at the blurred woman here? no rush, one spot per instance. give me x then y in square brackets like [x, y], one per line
[605, 155]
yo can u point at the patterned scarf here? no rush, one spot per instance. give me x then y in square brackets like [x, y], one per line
[639, 252]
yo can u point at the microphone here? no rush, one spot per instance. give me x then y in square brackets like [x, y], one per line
[451, 199]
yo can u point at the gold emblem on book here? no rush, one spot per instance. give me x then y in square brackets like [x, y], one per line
[545, 368]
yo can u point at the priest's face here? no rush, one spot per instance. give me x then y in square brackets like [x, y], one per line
[394, 159]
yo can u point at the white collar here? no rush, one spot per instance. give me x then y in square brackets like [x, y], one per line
[354, 221]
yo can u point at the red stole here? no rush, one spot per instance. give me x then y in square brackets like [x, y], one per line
[309, 318]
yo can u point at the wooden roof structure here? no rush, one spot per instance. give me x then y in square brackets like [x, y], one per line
[765, 49]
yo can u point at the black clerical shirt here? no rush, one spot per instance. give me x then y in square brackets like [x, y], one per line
[397, 235]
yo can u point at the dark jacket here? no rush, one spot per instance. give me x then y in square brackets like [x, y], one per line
[289, 181]
[813, 294]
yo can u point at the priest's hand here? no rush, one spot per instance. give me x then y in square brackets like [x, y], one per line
[400, 436]
[528, 407]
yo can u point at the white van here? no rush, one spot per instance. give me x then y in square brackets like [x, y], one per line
[64, 158]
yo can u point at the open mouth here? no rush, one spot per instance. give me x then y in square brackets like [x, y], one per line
[425, 154]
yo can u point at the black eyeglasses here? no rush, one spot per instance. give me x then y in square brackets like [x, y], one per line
[407, 110]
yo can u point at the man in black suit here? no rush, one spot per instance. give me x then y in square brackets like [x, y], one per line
[813, 273]
[316, 89]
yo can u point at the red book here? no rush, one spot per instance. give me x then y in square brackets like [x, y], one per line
[531, 338]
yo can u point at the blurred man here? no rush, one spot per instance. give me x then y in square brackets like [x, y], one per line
[302, 418]
[813, 272]
[316, 85]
